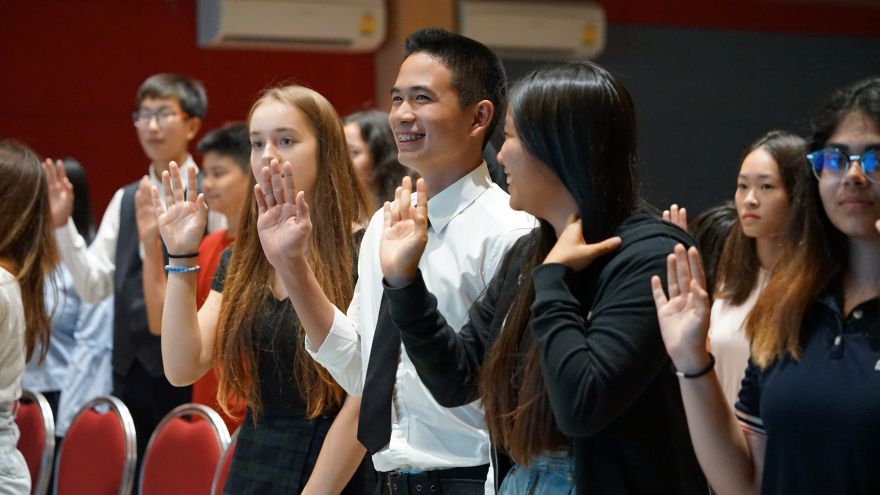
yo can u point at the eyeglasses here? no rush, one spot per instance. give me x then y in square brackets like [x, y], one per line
[833, 163]
[142, 118]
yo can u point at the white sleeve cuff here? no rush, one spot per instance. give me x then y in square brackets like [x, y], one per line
[340, 353]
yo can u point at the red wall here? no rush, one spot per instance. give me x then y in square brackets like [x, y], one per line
[71, 69]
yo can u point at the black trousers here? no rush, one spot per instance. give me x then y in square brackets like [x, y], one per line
[454, 481]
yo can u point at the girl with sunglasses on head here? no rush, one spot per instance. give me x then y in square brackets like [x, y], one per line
[299, 432]
[809, 408]
[27, 256]
[562, 348]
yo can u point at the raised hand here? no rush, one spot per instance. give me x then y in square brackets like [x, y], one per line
[182, 219]
[145, 214]
[283, 224]
[405, 234]
[571, 249]
[684, 316]
[677, 216]
[60, 192]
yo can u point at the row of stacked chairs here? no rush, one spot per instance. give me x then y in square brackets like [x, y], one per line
[188, 453]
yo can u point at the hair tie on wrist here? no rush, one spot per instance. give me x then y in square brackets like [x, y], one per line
[182, 269]
[699, 373]
[188, 255]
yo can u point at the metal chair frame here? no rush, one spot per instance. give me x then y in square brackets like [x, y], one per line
[190, 409]
[219, 469]
[117, 407]
[41, 484]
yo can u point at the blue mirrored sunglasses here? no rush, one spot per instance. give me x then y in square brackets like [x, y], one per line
[833, 163]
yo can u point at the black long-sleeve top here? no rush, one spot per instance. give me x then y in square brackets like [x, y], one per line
[608, 378]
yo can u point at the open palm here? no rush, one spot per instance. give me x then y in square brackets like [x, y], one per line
[284, 225]
[684, 316]
[182, 219]
[405, 234]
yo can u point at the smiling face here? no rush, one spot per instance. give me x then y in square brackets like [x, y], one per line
[761, 200]
[852, 203]
[532, 185]
[224, 182]
[280, 131]
[433, 131]
[167, 140]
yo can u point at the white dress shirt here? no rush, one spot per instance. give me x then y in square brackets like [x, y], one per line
[471, 228]
[92, 266]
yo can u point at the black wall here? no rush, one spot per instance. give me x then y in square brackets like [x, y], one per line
[703, 95]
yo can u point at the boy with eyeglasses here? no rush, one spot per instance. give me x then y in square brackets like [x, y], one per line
[168, 114]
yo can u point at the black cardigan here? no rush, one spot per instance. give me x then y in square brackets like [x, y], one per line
[609, 380]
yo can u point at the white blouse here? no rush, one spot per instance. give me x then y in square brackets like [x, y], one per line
[12, 337]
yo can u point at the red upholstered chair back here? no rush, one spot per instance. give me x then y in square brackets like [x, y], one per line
[183, 452]
[37, 441]
[99, 451]
[222, 470]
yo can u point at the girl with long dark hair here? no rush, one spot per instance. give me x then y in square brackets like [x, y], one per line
[562, 349]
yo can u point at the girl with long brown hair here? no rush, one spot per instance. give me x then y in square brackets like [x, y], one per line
[297, 416]
[765, 183]
[562, 348]
[808, 415]
[27, 256]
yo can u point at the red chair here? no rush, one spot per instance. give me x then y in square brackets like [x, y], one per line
[183, 452]
[99, 452]
[37, 441]
[222, 470]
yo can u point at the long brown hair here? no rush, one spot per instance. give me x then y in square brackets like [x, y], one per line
[738, 266]
[814, 251]
[339, 202]
[27, 243]
[580, 121]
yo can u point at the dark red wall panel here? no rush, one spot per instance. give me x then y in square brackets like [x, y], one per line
[71, 69]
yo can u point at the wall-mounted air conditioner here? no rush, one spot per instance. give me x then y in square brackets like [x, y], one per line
[516, 29]
[324, 25]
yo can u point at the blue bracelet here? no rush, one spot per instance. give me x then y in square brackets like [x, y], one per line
[182, 269]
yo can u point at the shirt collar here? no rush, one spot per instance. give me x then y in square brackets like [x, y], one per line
[448, 203]
[157, 180]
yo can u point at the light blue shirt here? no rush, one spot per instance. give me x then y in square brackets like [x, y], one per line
[78, 363]
[90, 369]
[63, 304]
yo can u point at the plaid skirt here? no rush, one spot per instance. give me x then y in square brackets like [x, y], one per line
[277, 455]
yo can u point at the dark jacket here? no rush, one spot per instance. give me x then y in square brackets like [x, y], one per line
[609, 380]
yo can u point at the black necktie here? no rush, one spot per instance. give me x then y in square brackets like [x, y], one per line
[374, 422]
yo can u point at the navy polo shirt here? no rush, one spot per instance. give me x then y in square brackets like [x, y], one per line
[821, 413]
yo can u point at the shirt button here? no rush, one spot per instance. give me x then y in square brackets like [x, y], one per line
[857, 314]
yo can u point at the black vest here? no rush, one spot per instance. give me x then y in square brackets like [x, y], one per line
[131, 334]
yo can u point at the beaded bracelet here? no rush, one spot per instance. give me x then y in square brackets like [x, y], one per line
[182, 269]
[699, 373]
[188, 255]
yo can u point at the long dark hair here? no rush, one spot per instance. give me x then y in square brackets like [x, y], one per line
[739, 266]
[578, 120]
[814, 251]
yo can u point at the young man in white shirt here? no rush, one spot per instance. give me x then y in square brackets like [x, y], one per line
[168, 114]
[448, 97]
